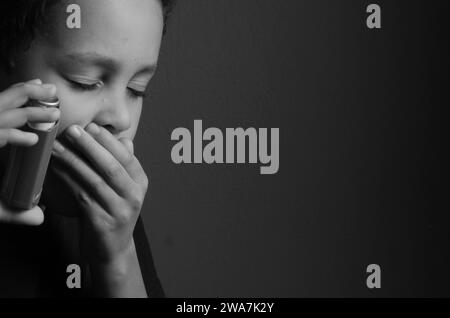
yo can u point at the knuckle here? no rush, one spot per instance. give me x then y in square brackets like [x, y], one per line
[17, 85]
[83, 198]
[30, 111]
[123, 218]
[26, 88]
[136, 201]
[72, 159]
[22, 92]
[145, 182]
[98, 183]
[20, 86]
[129, 159]
[9, 135]
[114, 171]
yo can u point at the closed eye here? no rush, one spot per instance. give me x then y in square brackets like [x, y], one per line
[84, 86]
[135, 93]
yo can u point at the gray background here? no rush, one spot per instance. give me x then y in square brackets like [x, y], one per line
[358, 181]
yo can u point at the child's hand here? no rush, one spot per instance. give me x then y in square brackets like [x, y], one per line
[12, 117]
[110, 185]
[32, 217]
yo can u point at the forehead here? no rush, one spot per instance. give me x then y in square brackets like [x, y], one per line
[126, 29]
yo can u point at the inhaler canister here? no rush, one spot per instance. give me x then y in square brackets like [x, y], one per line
[27, 165]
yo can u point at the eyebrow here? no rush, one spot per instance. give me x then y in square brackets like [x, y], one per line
[94, 58]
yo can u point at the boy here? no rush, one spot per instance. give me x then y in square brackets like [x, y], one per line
[95, 186]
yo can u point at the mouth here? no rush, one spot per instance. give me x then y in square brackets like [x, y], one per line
[69, 146]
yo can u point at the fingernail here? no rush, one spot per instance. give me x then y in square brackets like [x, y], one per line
[35, 81]
[56, 113]
[52, 110]
[58, 147]
[93, 129]
[50, 87]
[74, 132]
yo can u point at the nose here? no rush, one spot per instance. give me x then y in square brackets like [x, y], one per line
[114, 114]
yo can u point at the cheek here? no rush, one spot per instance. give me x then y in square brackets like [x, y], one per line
[74, 110]
[135, 118]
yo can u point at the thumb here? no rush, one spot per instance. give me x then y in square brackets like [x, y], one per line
[33, 217]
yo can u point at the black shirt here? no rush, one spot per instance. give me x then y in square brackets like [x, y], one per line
[34, 260]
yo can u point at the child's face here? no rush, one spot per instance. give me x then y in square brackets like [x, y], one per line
[101, 69]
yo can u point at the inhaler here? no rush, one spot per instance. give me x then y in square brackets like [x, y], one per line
[27, 165]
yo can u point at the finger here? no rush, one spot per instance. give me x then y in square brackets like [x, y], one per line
[34, 81]
[107, 165]
[120, 151]
[86, 175]
[18, 95]
[18, 117]
[110, 143]
[32, 217]
[88, 204]
[128, 143]
[17, 137]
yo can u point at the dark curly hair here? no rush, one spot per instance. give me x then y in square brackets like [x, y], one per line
[21, 20]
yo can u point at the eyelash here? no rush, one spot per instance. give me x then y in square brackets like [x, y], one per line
[91, 87]
[136, 94]
[83, 87]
